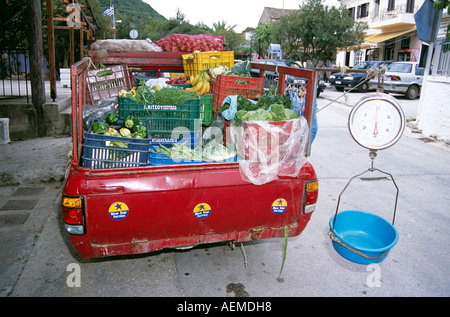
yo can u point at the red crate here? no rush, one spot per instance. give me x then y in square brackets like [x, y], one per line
[225, 85]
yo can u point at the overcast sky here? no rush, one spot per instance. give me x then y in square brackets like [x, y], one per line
[242, 13]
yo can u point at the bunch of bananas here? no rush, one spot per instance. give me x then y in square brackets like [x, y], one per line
[200, 83]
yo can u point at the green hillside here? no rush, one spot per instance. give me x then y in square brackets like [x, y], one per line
[131, 7]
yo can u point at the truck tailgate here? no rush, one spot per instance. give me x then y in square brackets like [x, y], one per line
[185, 203]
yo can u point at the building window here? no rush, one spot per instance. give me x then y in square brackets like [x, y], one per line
[406, 42]
[391, 5]
[359, 56]
[351, 13]
[443, 68]
[389, 50]
[410, 6]
[376, 11]
[363, 10]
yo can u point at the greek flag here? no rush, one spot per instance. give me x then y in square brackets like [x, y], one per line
[109, 11]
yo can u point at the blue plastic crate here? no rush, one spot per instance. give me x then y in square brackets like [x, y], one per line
[192, 140]
[162, 159]
[99, 153]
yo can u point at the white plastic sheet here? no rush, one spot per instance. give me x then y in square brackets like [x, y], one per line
[269, 150]
[125, 45]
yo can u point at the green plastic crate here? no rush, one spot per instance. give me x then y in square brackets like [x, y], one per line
[206, 109]
[163, 119]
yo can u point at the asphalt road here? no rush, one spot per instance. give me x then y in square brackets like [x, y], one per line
[417, 266]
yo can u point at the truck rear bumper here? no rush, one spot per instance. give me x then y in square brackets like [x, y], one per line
[85, 249]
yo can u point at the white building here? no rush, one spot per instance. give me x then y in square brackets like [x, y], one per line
[391, 35]
[433, 115]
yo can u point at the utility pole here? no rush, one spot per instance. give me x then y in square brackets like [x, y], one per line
[34, 34]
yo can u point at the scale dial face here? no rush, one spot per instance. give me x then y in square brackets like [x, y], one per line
[377, 121]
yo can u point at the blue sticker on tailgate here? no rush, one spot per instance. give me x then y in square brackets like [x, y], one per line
[202, 211]
[118, 211]
[279, 206]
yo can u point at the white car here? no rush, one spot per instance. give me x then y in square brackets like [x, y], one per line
[403, 78]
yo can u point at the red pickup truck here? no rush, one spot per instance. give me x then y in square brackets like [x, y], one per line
[121, 211]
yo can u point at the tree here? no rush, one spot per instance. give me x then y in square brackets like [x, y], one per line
[221, 26]
[316, 31]
[263, 37]
[33, 18]
[13, 24]
[232, 41]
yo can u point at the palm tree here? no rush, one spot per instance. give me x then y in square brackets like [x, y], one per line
[222, 25]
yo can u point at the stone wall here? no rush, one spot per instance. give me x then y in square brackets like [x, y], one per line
[23, 123]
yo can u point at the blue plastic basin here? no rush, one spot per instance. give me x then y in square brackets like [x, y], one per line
[363, 231]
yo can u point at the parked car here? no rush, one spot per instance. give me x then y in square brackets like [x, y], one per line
[404, 78]
[349, 80]
[293, 81]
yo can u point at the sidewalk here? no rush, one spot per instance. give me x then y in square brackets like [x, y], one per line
[31, 176]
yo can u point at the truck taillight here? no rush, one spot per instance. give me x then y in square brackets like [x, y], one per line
[73, 215]
[311, 195]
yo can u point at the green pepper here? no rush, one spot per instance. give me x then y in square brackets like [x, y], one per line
[111, 118]
[139, 125]
[99, 127]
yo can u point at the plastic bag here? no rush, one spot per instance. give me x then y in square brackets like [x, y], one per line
[161, 82]
[298, 106]
[215, 132]
[125, 45]
[268, 150]
[99, 111]
[296, 102]
[230, 113]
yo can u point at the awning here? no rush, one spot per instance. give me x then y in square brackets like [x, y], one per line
[355, 47]
[378, 38]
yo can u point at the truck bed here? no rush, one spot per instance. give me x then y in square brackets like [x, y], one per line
[122, 211]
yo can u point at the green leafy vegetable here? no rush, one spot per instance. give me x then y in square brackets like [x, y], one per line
[239, 115]
[289, 114]
[180, 151]
[240, 69]
[277, 112]
[165, 96]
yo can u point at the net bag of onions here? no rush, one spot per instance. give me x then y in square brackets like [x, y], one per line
[191, 43]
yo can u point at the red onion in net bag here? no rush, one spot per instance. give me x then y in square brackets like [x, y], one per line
[190, 43]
